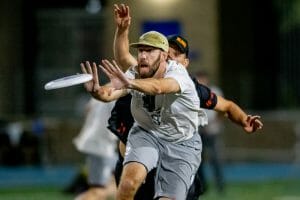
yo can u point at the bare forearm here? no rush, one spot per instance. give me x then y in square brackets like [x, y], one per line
[106, 95]
[231, 110]
[236, 114]
[121, 49]
[249, 123]
[154, 86]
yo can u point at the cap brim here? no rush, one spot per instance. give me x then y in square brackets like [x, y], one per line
[138, 44]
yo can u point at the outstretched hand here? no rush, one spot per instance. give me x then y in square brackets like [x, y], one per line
[122, 16]
[253, 124]
[91, 86]
[118, 79]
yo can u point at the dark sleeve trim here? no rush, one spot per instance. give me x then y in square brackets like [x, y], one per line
[208, 99]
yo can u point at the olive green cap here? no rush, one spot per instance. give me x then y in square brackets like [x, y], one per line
[152, 39]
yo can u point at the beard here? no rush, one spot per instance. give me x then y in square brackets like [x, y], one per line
[151, 69]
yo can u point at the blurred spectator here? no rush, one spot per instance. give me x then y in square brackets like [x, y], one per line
[18, 146]
[99, 146]
[14, 131]
[4, 143]
[29, 147]
[209, 135]
[38, 130]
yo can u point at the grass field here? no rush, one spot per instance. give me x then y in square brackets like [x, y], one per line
[275, 190]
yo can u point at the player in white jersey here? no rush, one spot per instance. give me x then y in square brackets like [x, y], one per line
[175, 153]
[98, 144]
[165, 133]
[178, 51]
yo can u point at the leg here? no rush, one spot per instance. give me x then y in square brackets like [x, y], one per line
[141, 157]
[216, 164]
[118, 169]
[146, 190]
[199, 185]
[99, 178]
[133, 175]
[177, 168]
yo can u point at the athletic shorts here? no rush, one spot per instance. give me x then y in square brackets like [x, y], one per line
[100, 169]
[176, 163]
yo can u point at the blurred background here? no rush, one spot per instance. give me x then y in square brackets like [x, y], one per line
[250, 49]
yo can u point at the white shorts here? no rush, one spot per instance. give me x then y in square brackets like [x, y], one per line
[100, 169]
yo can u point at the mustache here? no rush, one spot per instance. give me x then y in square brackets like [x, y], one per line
[143, 64]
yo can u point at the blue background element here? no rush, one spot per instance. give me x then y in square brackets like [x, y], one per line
[164, 27]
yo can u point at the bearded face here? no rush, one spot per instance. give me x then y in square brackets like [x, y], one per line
[149, 60]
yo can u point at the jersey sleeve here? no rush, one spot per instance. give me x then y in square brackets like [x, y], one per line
[208, 99]
[180, 74]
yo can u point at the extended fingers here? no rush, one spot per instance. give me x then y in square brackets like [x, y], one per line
[127, 10]
[93, 70]
[83, 68]
[117, 69]
[116, 10]
[86, 68]
[255, 121]
[95, 77]
[116, 7]
[123, 9]
[105, 71]
[108, 67]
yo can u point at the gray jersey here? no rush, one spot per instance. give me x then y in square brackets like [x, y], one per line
[173, 117]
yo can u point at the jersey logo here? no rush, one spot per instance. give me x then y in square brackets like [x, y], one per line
[149, 104]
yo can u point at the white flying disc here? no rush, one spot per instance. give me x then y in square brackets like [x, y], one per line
[68, 81]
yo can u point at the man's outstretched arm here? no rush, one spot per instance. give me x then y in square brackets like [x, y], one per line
[237, 115]
[152, 86]
[121, 41]
[210, 100]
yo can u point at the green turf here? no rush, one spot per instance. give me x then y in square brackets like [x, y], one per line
[275, 190]
[34, 193]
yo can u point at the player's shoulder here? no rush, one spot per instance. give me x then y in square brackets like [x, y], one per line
[174, 66]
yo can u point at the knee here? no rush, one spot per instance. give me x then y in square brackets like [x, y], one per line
[128, 185]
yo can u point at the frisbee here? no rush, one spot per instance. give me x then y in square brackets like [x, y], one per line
[68, 81]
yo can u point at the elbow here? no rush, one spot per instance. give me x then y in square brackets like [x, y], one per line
[157, 90]
[225, 106]
[102, 98]
[230, 104]
[106, 100]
